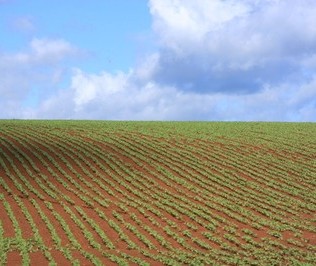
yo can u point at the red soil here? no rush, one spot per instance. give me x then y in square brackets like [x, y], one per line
[158, 186]
[6, 223]
[38, 258]
[14, 258]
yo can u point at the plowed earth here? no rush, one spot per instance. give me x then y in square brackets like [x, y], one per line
[152, 193]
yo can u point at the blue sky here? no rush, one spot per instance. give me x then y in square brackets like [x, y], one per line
[158, 60]
[104, 31]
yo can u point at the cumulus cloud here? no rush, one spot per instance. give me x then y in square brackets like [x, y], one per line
[39, 65]
[90, 87]
[236, 46]
[182, 25]
[216, 60]
[120, 97]
[39, 52]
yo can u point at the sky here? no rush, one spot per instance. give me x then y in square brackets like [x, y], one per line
[212, 60]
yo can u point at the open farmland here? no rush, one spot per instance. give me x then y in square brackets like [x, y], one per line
[157, 193]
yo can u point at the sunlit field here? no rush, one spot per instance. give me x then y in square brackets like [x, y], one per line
[157, 193]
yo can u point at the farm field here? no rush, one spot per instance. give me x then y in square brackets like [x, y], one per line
[157, 193]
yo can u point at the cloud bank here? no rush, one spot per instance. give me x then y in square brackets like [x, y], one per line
[232, 46]
[216, 60]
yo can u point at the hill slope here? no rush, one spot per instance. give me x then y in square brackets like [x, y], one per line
[76, 192]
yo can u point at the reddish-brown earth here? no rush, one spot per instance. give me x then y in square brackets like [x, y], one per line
[169, 189]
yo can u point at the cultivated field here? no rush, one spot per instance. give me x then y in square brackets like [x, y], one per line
[157, 193]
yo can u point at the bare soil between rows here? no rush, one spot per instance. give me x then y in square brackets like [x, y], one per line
[138, 199]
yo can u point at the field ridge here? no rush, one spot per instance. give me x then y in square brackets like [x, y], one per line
[157, 193]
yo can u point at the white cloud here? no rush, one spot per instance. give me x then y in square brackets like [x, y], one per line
[90, 87]
[119, 96]
[148, 67]
[217, 60]
[234, 27]
[40, 52]
[40, 65]
[236, 46]
[182, 25]
[90, 97]
[45, 50]
[24, 24]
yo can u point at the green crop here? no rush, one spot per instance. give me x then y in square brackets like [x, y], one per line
[157, 193]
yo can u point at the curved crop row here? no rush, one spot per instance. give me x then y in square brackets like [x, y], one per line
[120, 193]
